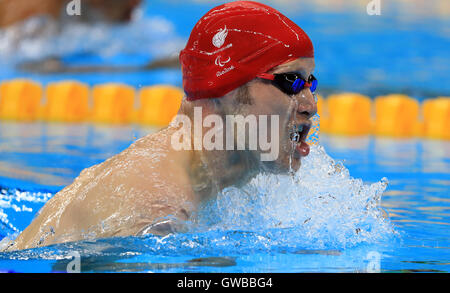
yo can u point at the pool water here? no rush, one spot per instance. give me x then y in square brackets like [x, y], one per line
[328, 218]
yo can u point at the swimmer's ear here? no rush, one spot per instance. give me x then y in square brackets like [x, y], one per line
[228, 104]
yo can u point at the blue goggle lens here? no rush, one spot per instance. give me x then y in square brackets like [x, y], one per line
[298, 85]
[313, 85]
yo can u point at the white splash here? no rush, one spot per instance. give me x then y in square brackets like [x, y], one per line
[41, 37]
[16, 201]
[322, 206]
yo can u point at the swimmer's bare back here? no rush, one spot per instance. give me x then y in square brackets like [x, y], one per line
[131, 193]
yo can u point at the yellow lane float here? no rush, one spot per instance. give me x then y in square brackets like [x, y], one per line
[349, 114]
[20, 100]
[67, 101]
[393, 115]
[396, 116]
[436, 116]
[159, 104]
[113, 103]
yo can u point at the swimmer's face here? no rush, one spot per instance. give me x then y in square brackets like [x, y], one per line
[294, 113]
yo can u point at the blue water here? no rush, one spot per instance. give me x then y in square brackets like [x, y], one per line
[415, 237]
[404, 50]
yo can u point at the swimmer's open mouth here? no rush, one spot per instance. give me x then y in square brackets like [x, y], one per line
[298, 135]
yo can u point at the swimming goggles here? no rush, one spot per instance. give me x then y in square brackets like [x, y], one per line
[290, 83]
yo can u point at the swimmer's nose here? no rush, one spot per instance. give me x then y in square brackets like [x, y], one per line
[307, 105]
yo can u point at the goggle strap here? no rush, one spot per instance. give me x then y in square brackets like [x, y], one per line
[266, 76]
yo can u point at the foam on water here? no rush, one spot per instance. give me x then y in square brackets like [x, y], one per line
[42, 37]
[19, 203]
[321, 206]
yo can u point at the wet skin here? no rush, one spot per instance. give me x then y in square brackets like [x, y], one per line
[151, 188]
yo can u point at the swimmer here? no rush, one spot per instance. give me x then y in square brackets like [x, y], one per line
[22, 21]
[16, 11]
[241, 58]
[48, 17]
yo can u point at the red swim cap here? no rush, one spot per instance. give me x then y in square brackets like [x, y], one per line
[233, 43]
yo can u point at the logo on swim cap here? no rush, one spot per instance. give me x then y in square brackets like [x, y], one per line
[219, 38]
[221, 63]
